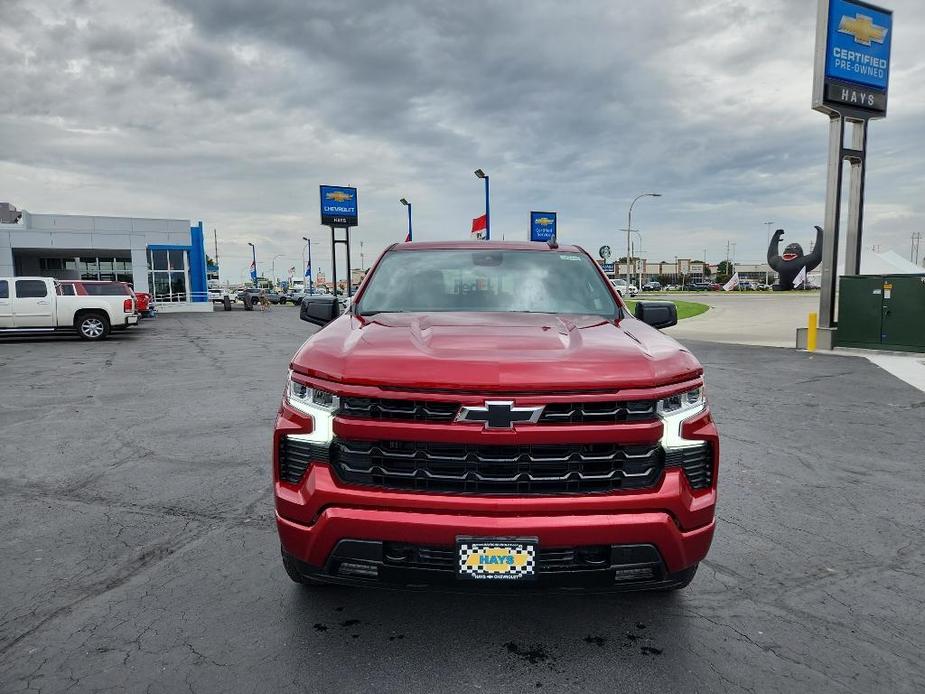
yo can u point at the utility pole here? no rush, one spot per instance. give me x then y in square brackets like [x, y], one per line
[362, 261]
[766, 244]
[914, 252]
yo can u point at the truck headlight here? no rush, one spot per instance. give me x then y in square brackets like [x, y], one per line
[674, 410]
[320, 405]
[692, 399]
[307, 399]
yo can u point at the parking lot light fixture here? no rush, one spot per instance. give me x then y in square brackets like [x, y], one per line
[407, 204]
[629, 226]
[307, 269]
[484, 176]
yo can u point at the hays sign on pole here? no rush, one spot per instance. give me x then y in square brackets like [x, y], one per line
[339, 206]
[853, 41]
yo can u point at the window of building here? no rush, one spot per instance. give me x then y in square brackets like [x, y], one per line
[108, 269]
[31, 289]
[168, 275]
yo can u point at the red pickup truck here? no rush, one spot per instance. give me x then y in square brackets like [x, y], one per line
[490, 416]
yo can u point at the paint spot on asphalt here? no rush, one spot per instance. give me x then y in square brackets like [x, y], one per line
[598, 641]
[631, 637]
[649, 650]
[350, 623]
[640, 625]
[320, 627]
[396, 636]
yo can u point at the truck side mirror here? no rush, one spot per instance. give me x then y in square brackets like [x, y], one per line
[319, 309]
[658, 314]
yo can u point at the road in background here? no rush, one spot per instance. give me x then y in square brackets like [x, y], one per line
[139, 550]
[746, 318]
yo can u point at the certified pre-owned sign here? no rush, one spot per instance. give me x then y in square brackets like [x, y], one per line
[542, 226]
[338, 206]
[853, 56]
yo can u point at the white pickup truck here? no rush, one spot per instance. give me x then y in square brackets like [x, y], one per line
[40, 305]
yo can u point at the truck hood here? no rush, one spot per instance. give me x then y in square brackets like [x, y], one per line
[512, 352]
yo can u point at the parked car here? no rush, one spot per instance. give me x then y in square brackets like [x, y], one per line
[476, 444]
[144, 304]
[652, 287]
[272, 296]
[623, 288]
[698, 286]
[293, 296]
[42, 304]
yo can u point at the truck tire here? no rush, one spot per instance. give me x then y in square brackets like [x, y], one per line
[226, 302]
[92, 326]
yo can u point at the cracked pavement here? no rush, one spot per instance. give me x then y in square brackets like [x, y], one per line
[139, 551]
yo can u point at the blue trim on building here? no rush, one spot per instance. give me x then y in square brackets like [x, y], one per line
[196, 253]
[197, 264]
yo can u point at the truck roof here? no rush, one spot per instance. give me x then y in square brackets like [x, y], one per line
[482, 246]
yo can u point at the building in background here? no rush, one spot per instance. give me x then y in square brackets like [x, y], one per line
[164, 257]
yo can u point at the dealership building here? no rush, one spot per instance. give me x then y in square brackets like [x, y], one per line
[164, 257]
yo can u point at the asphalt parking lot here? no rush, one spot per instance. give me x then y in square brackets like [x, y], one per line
[139, 551]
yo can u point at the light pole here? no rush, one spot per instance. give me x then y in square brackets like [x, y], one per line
[254, 263]
[481, 174]
[767, 243]
[408, 205]
[308, 269]
[629, 226]
[273, 268]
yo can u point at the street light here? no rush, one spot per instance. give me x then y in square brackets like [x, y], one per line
[629, 225]
[481, 174]
[408, 205]
[308, 244]
[254, 264]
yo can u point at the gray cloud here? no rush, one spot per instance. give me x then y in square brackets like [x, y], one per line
[234, 112]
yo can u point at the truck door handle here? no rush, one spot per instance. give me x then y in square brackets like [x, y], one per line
[42, 303]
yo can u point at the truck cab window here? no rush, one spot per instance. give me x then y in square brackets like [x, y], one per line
[31, 289]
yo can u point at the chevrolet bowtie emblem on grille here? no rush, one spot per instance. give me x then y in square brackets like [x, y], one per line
[862, 28]
[499, 414]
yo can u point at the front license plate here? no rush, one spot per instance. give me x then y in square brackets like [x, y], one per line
[501, 559]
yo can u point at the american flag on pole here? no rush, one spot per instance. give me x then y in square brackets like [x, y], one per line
[254, 270]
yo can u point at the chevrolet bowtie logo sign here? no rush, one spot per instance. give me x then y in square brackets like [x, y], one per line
[544, 221]
[339, 196]
[500, 414]
[862, 28]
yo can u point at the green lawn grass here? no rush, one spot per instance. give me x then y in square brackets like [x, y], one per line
[686, 309]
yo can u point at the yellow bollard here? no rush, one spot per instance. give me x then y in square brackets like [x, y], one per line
[811, 332]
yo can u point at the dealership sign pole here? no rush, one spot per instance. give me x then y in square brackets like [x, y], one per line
[543, 226]
[852, 75]
[339, 211]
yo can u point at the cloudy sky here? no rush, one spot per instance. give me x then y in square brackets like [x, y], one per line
[234, 111]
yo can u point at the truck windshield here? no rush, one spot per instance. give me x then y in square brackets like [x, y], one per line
[490, 280]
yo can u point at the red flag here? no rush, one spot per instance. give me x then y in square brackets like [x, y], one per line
[408, 237]
[479, 227]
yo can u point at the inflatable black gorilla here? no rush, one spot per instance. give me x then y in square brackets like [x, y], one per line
[789, 264]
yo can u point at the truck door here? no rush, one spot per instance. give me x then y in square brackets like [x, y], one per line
[6, 305]
[33, 304]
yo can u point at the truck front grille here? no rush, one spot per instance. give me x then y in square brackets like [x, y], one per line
[594, 412]
[480, 469]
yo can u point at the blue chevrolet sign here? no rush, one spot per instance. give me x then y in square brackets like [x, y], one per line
[542, 226]
[339, 206]
[859, 38]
